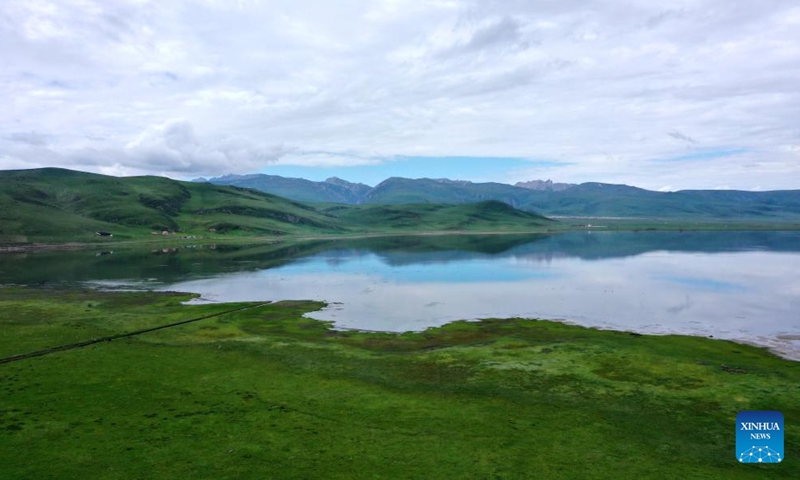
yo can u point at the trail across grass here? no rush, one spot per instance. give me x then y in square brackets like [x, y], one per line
[267, 393]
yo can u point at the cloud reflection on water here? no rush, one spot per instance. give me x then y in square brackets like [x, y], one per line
[735, 295]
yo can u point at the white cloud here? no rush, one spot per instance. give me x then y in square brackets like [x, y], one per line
[326, 159]
[174, 147]
[171, 149]
[611, 89]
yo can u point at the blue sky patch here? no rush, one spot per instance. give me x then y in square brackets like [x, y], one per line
[704, 155]
[476, 169]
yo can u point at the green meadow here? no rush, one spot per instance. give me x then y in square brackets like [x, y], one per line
[268, 393]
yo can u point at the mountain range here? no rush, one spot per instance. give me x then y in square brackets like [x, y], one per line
[545, 197]
[52, 204]
[332, 190]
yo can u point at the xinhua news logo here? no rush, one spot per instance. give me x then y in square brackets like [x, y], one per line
[759, 436]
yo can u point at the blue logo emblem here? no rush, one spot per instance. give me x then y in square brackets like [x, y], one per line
[759, 436]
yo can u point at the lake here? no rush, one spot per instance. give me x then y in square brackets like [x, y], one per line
[743, 286]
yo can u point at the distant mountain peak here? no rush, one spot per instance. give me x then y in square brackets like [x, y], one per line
[544, 185]
[231, 177]
[610, 186]
[343, 183]
[452, 182]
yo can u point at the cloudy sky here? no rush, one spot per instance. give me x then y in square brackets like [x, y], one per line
[663, 95]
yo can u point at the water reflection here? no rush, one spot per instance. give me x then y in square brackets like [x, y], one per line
[737, 285]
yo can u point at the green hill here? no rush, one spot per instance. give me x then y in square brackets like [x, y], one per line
[599, 199]
[53, 204]
[425, 190]
[56, 203]
[482, 216]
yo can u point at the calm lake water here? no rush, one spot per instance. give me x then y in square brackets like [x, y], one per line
[734, 285]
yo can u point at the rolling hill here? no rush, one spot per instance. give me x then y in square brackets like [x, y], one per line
[600, 199]
[55, 204]
[490, 215]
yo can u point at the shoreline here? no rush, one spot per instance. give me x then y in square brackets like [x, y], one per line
[247, 388]
[772, 345]
[777, 345]
[779, 352]
[27, 247]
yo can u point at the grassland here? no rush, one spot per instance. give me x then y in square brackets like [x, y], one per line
[267, 393]
[57, 205]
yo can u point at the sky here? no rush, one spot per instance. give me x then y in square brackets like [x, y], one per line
[661, 95]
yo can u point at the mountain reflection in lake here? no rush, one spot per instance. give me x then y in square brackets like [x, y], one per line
[736, 285]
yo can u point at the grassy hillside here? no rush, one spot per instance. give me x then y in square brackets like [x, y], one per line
[481, 216]
[55, 204]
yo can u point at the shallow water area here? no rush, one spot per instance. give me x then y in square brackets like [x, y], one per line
[733, 285]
